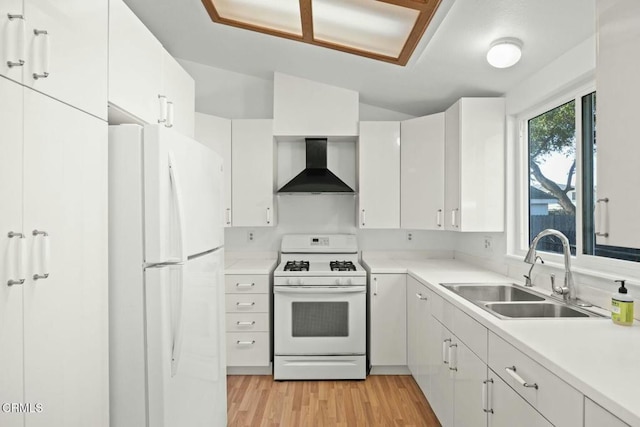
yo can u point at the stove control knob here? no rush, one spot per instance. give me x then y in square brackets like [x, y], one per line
[338, 282]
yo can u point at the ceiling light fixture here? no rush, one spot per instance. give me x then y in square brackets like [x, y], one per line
[505, 52]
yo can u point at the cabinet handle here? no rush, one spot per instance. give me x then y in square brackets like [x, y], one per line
[439, 218]
[245, 304]
[169, 121]
[600, 216]
[268, 215]
[511, 370]
[19, 280]
[46, 51]
[375, 291]
[245, 285]
[453, 357]
[228, 216]
[45, 254]
[421, 297]
[162, 103]
[240, 323]
[363, 217]
[445, 351]
[454, 218]
[252, 342]
[485, 396]
[19, 62]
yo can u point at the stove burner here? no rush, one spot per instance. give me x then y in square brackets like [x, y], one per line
[342, 266]
[296, 266]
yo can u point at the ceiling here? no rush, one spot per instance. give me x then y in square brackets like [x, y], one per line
[448, 63]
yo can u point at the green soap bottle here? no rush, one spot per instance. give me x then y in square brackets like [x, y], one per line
[622, 306]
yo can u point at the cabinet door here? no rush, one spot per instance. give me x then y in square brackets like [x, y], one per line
[379, 175]
[252, 173]
[388, 323]
[452, 168]
[65, 314]
[470, 373]
[215, 133]
[419, 333]
[12, 31]
[618, 93]
[597, 416]
[422, 173]
[507, 409]
[442, 384]
[71, 57]
[179, 88]
[11, 385]
[135, 65]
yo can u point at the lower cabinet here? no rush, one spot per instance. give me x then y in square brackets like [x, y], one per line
[419, 330]
[388, 321]
[597, 416]
[247, 320]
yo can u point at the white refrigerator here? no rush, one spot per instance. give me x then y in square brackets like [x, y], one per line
[166, 287]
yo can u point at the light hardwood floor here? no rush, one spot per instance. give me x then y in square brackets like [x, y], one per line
[380, 400]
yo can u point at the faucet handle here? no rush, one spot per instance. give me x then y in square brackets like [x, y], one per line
[527, 280]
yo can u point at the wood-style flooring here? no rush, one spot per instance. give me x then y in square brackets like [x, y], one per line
[380, 400]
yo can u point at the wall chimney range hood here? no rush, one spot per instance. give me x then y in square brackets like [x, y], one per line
[316, 178]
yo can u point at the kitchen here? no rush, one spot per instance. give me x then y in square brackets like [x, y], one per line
[252, 105]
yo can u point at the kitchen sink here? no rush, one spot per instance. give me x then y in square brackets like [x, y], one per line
[491, 292]
[528, 310]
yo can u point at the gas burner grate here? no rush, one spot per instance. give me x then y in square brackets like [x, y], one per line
[296, 266]
[342, 266]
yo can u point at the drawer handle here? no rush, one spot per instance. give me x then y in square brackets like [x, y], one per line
[245, 285]
[453, 357]
[511, 370]
[246, 342]
[421, 297]
[245, 304]
[246, 323]
[485, 396]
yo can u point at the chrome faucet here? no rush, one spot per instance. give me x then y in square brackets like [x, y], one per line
[568, 291]
[528, 281]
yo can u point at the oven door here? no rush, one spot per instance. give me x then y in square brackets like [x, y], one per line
[319, 320]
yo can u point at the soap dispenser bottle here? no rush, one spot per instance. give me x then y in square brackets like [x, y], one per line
[622, 306]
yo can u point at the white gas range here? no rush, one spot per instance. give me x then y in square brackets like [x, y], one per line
[319, 309]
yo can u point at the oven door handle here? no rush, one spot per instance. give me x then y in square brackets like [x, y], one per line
[319, 290]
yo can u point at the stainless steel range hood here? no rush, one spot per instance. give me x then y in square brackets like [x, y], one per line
[316, 178]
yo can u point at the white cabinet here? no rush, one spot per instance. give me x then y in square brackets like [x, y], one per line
[507, 409]
[442, 391]
[388, 299]
[145, 82]
[618, 92]
[469, 374]
[63, 47]
[379, 175]
[252, 173]
[474, 165]
[306, 108]
[215, 133]
[61, 209]
[419, 333]
[422, 173]
[597, 416]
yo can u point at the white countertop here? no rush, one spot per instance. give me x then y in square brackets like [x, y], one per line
[250, 265]
[597, 357]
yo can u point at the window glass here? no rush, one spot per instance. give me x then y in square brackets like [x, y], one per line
[552, 172]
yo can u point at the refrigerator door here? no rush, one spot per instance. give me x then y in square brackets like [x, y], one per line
[182, 196]
[185, 345]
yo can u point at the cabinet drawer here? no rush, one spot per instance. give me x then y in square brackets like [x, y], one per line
[550, 389]
[246, 283]
[443, 311]
[243, 303]
[472, 333]
[248, 349]
[245, 322]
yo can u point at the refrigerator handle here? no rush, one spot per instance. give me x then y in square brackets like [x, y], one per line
[176, 345]
[177, 203]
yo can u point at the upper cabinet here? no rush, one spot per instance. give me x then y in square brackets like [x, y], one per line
[379, 175]
[618, 91]
[215, 133]
[474, 165]
[145, 82]
[305, 108]
[422, 173]
[58, 48]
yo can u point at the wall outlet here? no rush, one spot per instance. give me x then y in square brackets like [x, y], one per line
[488, 244]
[249, 236]
[409, 236]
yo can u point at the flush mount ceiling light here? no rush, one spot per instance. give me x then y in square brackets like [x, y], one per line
[385, 30]
[505, 52]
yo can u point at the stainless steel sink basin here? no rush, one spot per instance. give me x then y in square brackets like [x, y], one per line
[539, 309]
[491, 292]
